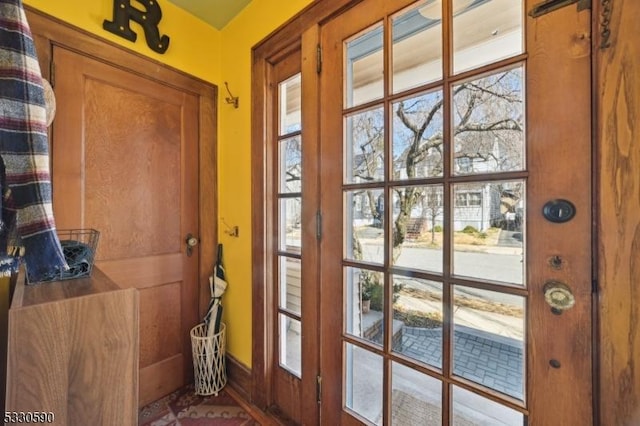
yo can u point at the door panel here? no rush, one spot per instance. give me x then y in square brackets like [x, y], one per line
[440, 163]
[125, 162]
[559, 109]
[290, 244]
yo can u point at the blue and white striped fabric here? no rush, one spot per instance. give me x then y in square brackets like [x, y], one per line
[26, 196]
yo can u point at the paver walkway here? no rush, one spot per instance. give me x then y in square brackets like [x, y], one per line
[491, 360]
[510, 238]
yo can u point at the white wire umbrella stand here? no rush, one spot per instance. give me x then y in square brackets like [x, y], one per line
[208, 339]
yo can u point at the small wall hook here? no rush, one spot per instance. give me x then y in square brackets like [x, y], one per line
[232, 100]
[232, 231]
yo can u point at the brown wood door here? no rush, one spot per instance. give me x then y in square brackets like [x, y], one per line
[292, 245]
[125, 162]
[455, 300]
[287, 247]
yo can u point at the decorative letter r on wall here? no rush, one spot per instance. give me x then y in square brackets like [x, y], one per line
[123, 13]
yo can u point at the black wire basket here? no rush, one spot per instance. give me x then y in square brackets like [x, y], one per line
[79, 247]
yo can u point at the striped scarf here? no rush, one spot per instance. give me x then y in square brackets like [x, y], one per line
[27, 212]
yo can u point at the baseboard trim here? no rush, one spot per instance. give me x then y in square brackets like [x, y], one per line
[239, 377]
[239, 387]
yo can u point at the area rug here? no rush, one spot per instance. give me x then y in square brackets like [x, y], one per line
[185, 408]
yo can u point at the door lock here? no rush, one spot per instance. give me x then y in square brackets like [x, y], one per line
[559, 211]
[558, 295]
[191, 242]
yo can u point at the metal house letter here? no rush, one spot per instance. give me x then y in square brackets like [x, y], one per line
[123, 13]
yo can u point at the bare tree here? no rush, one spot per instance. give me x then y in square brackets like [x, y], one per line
[432, 205]
[487, 116]
[369, 154]
[292, 163]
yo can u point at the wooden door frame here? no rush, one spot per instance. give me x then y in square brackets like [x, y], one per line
[49, 31]
[616, 95]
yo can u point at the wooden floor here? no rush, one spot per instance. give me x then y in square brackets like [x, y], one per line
[260, 416]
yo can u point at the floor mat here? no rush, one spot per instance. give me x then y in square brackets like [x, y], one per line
[185, 408]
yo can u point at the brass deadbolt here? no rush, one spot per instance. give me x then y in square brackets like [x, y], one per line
[558, 295]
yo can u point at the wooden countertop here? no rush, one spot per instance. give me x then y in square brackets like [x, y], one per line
[55, 291]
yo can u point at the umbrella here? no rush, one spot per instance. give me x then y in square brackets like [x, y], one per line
[217, 286]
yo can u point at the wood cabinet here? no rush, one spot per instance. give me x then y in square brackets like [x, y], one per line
[73, 351]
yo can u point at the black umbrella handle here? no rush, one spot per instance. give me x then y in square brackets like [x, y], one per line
[219, 261]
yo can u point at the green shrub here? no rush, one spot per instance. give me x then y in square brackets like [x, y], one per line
[418, 319]
[377, 295]
[437, 228]
[469, 230]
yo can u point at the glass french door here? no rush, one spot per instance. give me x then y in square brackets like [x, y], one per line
[288, 241]
[455, 158]
[292, 244]
[289, 212]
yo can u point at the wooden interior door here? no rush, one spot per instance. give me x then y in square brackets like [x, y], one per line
[457, 199]
[125, 162]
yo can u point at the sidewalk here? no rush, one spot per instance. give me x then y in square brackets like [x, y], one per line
[491, 360]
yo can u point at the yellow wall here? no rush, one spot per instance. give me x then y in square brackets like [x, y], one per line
[194, 46]
[214, 56]
[253, 24]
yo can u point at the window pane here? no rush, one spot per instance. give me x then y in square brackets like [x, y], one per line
[417, 306]
[364, 68]
[417, 49]
[418, 219]
[488, 346]
[417, 136]
[416, 399]
[488, 116]
[290, 96]
[290, 175]
[488, 220]
[365, 146]
[290, 284]
[290, 344]
[364, 304]
[363, 383]
[486, 32]
[470, 409]
[364, 230]
[290, 214]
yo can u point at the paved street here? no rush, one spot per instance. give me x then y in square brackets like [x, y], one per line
[490, 263]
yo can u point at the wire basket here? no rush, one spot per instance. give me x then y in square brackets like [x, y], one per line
[79, 247]
[209, 365]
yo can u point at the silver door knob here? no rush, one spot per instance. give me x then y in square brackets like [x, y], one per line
[558, 295]
[191, 242]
